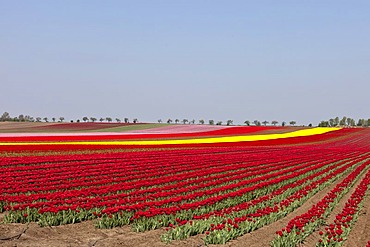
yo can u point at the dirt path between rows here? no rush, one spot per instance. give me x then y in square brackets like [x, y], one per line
[314, 237]
[85, 233]
[263, 236]
[360, 233]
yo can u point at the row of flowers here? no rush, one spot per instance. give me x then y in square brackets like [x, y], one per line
[303, 225]
[336, 232]
[48, 199]
[130, 136]
[222, 192]
[263, 210]
[237, 139]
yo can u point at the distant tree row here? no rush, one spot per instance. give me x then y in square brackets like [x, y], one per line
[265, 123]
[228, 122]
[26, 118]
[21, 118]
[201, 121]
[108, 119]
[345, 121]
[333, 122]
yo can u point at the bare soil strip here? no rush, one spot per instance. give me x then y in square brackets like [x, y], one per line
[315, 236]
[263, 236]
[360, 233]
[85, 233]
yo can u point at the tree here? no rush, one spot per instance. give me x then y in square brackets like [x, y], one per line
[118, 120]
[331, 122]
[368, 122]
[184, 121]
[38, 119]
[343, 121]
[257, 123]
[292, 123]
[229, 122]
[126, 120]
[169, 121]
[248, 123]
[283, 123]
[101, 119]
[61, 119]
[336, 121]
[211, 122]
[85, 119]
[135, 120]
[159, 120]
[192, 121]
[265, 122]
[28, 118]
[177, 120]
[274, 122]
[324, 124]
[21, 118]
[93, 119]
[349, 120]
[201, 121]
[46, 119]
[361, 122]
[5, 117]
[219, 123]
[109, 119]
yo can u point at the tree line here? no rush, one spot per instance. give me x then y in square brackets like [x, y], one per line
[228, 122]
[333, 122]
[26, 118]
[345, 122]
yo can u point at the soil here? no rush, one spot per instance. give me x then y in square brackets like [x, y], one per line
[82, 234]
[85, 233]
[314, 237]
[264, 235]
[360, 233]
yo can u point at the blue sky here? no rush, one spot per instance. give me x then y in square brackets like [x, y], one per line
[242, 60]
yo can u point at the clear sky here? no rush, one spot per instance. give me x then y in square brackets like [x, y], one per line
[196, 59]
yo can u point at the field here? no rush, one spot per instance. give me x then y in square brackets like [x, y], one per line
[100, 184]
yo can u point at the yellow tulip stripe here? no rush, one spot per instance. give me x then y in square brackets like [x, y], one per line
[208, 140]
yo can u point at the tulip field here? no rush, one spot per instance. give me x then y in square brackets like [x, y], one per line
[220, 184]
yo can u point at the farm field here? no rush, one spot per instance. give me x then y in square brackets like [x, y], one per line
[100, 184]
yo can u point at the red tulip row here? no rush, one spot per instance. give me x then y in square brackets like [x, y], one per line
[263, 184]
[320, 169]
[225, 191]
[31, 181]
[253, 214]
[106, 199]
[303, 225]
[109, 204]
[84, 190]
[338, 230]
